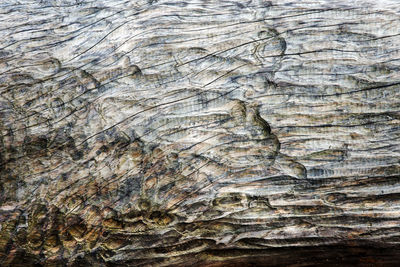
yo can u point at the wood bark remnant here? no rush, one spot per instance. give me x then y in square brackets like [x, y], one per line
[199, 133]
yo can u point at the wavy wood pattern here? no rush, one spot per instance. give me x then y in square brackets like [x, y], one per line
[199, 133]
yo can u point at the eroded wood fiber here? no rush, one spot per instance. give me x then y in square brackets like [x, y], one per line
[220, 133]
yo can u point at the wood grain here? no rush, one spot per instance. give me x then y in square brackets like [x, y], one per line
[199, 133]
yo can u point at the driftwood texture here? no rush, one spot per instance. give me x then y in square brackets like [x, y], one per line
[199, 133]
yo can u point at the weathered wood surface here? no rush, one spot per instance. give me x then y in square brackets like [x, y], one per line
[157, 133]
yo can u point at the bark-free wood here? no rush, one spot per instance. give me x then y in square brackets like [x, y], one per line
[219, 133]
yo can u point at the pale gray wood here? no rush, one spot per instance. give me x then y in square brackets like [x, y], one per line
[162, 133]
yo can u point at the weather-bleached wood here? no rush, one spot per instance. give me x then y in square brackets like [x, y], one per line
[220, 133]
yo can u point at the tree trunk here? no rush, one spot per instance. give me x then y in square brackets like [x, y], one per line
[199, 133]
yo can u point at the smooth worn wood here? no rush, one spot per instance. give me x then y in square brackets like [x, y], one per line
[199, 133]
